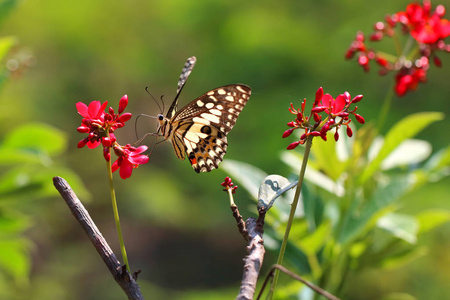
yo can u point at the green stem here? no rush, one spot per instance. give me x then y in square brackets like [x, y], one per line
[294, 204]
[116, 215]
[385, 108]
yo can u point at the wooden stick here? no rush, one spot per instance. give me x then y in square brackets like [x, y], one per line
[119, 272]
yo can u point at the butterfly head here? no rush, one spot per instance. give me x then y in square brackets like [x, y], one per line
[164, 126]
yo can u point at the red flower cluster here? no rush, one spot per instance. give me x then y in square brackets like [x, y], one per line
[228, 185]
[100, 126]
[428, 29]
[337, 114]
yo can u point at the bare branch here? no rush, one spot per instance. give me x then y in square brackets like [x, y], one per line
[296, 277]
[253, 234]
[120, 274]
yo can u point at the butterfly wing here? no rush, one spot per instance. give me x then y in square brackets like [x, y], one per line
[187, 69]
[200, 128]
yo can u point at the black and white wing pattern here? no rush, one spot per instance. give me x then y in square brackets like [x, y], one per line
[199, 130]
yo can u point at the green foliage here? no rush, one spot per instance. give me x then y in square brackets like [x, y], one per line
[349, 219]
[27, 169]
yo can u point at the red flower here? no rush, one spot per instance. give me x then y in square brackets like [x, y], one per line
[100, 127]
[409, 79]
[99, 124]
[425, 28]
[129, 159]
[333, 108]
[228, 185]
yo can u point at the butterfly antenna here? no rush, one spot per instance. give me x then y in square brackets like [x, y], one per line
[162, 101]
[157, 103]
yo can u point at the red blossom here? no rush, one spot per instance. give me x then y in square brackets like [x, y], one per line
[409, 79]
[100, 127]
[337, 113]
[228, 185]
[129, 159]
[429, 29]
[99, 124]
[425, 26]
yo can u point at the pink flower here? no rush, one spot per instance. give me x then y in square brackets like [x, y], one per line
[100, 127]
[129, 159]
[98, 124]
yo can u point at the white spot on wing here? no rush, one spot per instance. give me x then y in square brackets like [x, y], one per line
[216, 112]
[201, 121]
[209, 105]
[240, 89]
[200, 103]
[210, 117]
[192, 137]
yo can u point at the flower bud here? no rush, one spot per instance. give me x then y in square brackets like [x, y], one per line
[288, 132]
[82, 143]
[83, 129]
[336, 136]
[293, 145]
[360, 119]
[123, 103]
[349, 131]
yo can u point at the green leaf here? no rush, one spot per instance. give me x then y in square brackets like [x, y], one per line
[361, 219]
[439, 161]
[272, 187]
[402, 226]
[313, 242]
[250, 177]
[10, 156]
[325, 157]
[15, 260]
[404, 129]
[431, 219]
[36, 137]
[5, 7]
[12, 222]
[398, 296]
[313, 176]
[403, 257]
[407, 153]
[6, 43]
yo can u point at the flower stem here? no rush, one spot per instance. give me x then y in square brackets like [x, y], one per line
[116, 216]
[385, 108]
[294, 204]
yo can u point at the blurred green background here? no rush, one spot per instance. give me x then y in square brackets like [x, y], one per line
[177, 225]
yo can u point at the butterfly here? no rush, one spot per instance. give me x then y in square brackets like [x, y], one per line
[199, 130]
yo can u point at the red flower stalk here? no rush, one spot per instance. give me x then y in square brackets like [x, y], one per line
[100, 126]
[427, 27]
[337, 114]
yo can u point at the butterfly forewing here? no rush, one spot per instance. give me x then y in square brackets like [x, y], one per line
[200, 128]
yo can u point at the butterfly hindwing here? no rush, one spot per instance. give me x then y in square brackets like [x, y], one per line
[201, 126]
